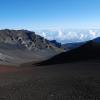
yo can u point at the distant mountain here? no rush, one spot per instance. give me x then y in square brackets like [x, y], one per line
[21, 46]
[70, 46]
[90, 50]
[97, 40]
[55, 43]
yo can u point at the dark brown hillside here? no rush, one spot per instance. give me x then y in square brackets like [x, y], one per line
[88, 51]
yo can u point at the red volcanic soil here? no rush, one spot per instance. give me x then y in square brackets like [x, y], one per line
[14, 69]
[6, 69]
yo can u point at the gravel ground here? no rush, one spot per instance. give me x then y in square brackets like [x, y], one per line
[73, 81]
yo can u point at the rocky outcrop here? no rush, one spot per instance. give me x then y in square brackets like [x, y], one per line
[22, 46]
[23, 38]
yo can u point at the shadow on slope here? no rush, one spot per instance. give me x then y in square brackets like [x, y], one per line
[88, 51]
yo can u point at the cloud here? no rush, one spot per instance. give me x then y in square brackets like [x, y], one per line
[70, 36]
[93, 33]
[66, 35]
[44, 34]
[81, 37]
[61, 35]
[51, 35]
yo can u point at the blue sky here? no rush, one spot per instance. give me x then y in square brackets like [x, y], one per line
[49, 14]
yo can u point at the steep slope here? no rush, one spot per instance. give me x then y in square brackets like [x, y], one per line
[90, 50]
[23, 38]
[21, 46]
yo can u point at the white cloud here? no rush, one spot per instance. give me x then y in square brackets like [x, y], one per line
[61, 35]
[66, 35]
[93, 33]
[70, 36]
[44, 34]
[81, 36]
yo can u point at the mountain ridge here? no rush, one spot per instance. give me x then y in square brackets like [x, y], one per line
[21, 46]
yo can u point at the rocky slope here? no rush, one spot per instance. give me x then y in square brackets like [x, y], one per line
[21, 46]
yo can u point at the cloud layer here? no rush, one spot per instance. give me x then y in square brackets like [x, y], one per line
[70, 36]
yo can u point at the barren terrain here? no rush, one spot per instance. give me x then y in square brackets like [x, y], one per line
[71, 81]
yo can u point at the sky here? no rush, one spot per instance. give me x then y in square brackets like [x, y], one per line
[49, 14]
